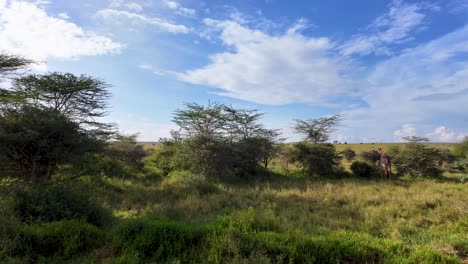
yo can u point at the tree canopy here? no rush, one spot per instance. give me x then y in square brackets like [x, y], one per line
[317, 130]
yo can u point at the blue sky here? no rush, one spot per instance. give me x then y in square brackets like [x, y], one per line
[392, 68]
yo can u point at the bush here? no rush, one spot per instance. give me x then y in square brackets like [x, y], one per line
[349, 154]
[317, 159]
[41, 203]
[370, 156]
[418, 160]
[126, 150]
[60, 240]
[158, 239]
[363, 169]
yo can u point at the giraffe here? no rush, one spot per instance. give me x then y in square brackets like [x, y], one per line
[384, 164]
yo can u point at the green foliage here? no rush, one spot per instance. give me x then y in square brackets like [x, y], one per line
[82, 99]
[39, 140]
[349, 154]
[393, 150]
[44, 203]
[126, 149]
[460, 151]
[157, 239]
[363, 169]
[9, 64]
[217, 141]
[418, 160]
[251, 235]
[317, 130]
[371, 156]
[317, 159]
[56, 241]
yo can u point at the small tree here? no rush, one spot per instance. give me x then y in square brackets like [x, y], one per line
[270, 140]
[39, 140]
[317, 130]
[198, 120]
[417, 159]
[82, 99]
[317, 159]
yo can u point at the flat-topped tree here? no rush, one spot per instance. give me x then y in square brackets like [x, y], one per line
[317, 130]
[82, 99]
[11, 64]
[198, 120]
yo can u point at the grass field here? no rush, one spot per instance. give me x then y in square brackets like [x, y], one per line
[272, 219]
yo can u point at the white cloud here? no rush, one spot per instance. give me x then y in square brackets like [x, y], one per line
[132, 6]
[26, 29]
[121, 16]
[64, 16]
[155, 71]
[407, 130]
[443, 134]
[180, 10]
[393, 27]
[422, 84]
[272, 69]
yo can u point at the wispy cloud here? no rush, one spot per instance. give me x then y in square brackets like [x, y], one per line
[180, 10]
[132, 6]
[122, 16]
[394, 27]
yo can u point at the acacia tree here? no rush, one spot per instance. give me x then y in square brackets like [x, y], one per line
[242, 124]
[82, 99]
[50, 119]
[417, 159]
[38, 140]
[219, 140]
[317, 130]
[270, 145]
[315, 157]
[11, 64]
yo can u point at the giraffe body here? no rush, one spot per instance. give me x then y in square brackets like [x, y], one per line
[384, 164]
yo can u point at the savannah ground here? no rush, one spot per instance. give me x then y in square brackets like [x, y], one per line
[275, 218]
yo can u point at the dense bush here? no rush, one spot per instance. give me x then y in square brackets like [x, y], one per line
[363, 169]
[158, 239]
[126, 150]
[460, 151]
[57, 241]
[418, 160]
[349, 154]
[44, 203]
[317, 159]
[371, 156]
[38, 140]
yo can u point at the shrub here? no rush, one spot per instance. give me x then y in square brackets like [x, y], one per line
[317, 159]
[157, 239]
[418, 160]
[40, 203]
[370, 156]
[61, 240]
[126, 150]
[363, 169]
[349, 154]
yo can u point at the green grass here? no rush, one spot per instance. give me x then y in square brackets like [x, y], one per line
[272, 219]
